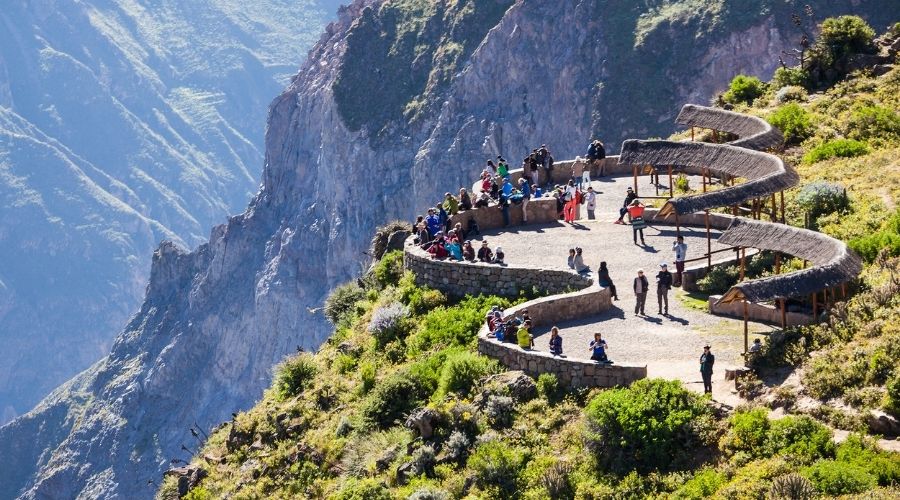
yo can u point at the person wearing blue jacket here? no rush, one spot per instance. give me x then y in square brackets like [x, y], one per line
[433, 222]
[525, 189]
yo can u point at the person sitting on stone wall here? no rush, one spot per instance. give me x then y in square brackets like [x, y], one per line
[556, 348]
[510, 331]
[629, 197]
[465, 201]
[455, 250]
[604, 280]
[460, 232]
[486, 182]
[595, 154]
[499, 332]
[438, 250]
[579, 265]
[451, 204]
[484, 253]
[524, 337]
[598, 349]
[495, 187]
[499, 256]
[491, 168]
[423, 239]
[468, 251]
[571, 260]
[484, 199]
[502, 168]
[443, 217]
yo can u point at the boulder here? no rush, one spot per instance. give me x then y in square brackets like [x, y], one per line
[423, 420]
[188, 477]
[880, 422]
[519, 385]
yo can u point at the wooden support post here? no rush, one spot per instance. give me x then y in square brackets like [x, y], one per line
[782, 207]
[677, 225]
[783, 314]
[703, 174]
[634, 172]
[715, 136]
[777, 263]
[815, 307]
[774, 209]
[746, 336]
[671, 184]
[692, 134]
[708, 243]
[844, 290]
[656, 184]
[743, 260]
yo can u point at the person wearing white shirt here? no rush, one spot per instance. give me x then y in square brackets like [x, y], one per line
[680, 249]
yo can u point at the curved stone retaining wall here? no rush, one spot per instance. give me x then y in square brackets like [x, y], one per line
[546, 312]
[473, 278]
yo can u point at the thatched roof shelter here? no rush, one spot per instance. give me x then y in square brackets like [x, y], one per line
[753, 132]
[832, 262]
[765, 173]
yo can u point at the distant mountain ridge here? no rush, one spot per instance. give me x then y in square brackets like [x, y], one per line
[122, 123]
[215, 320]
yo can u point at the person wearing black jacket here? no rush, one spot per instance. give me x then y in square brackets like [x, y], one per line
[706, 369]
[631, 196]
[640, 292]
[663, 284]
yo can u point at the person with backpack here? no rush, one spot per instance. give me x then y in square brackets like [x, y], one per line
[636, 211]
[571, 202]
[503, 204]
[451, 204]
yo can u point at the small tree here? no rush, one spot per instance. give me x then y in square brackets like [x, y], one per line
[793, 121]
[744, 89]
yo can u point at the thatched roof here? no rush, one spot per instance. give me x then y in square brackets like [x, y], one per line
[754, 133]
[765, 173]
[832, 262]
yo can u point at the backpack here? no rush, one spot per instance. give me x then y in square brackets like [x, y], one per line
[579, 197]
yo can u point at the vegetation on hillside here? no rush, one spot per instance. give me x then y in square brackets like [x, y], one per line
[398, 404]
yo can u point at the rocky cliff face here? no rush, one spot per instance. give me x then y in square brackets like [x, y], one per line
[397, 103]
[121, 123]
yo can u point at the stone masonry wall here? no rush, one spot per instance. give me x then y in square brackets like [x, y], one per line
[473, 278]
[546, 312]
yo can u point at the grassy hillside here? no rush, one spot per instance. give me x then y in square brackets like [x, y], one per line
[398, 404]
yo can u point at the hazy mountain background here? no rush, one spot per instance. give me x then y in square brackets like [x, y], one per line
[122, 122]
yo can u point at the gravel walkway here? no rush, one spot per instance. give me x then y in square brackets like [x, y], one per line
[671, 345]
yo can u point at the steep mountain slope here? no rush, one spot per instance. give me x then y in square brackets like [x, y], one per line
[397, 103]
[121, 123]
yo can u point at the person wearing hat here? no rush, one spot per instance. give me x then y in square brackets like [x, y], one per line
[640, 286]
[468, 251]
[484, 253]
[630, 196]
[663, 285]
[498, 256]
[706, 369]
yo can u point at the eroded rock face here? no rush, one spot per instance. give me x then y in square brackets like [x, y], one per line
[214, 321]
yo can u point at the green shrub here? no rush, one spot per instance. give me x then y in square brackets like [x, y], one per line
[747, 432]
[790, 77]
[682, 184]
[863, 453]
[452, 326]
[294, 374]
[790, 93]
[364, 489]
[718, 280]
[461, 371]
[744, 89]
[389, 269]
[367, 376]
[497, 464]
[419, 299]
[198, 493]
[869, 122]
[892, 396]
[701, 486]
[342, 302]
[821, 198]
[888, 237]
[838, 148]
[799, 437]
[653, 424]
[390, 400]
[846, 35]
[793, 121]
[548, 386]
[836, 478]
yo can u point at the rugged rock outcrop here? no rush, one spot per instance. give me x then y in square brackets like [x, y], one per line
[397, 103]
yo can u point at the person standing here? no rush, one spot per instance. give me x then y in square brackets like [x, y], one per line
[502, 168]
[680, 249]
[636, 210]
[663, 284]
[525, 189]
[571, 202]
[707, 359]
[578, 171]
[590, 202]
[640, 292]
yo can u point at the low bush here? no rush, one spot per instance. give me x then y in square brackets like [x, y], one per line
[799, 437]
[342, 302]
[653, 424]
[791, 93]
[452, 326]
[497, 464]
[548, 386]
[873, 122]
[747, 432]
[389, 269]
[792, 486]
[892, 395]
[390, 400]
[886, 239]
[744, 89]
[682, 183]
[838, 148]
[793, 121]
[718, 280]
[389, 323]
[363, 489]
[419, 299]
[294, 374]
[862, 452]
[820, 198]
[790, 77]
[835, 478]
[457, 446]
[701, 486]
[499, 411]
[461, 371]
